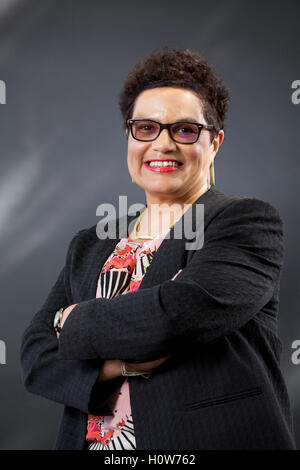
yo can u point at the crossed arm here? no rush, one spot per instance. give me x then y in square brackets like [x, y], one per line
[224, 286]
[111, 368]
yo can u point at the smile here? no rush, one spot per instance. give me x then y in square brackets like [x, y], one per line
[163, 166]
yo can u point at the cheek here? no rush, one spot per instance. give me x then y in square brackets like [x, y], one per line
[198, 155]
[194, 156]
[135, 151]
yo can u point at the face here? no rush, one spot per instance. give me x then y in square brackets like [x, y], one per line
[192, 178]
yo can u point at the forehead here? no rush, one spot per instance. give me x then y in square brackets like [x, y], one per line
[167, 104]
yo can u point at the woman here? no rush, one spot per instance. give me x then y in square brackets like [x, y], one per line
[158, 344]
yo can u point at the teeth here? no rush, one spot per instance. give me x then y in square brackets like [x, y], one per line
[163, 164]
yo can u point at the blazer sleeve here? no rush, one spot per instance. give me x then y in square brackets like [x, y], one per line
[225, 285]
[72, 383]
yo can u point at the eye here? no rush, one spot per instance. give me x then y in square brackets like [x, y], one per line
[185, 130]
[144, 127]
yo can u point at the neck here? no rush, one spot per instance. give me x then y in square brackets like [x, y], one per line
[159, 216]
[171, 199]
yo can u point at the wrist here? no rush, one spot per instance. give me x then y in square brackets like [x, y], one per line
[111, 368]
[66, 312]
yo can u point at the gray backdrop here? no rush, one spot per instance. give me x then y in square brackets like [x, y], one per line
[63, 151]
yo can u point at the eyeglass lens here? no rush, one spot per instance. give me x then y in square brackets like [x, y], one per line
[181, 132]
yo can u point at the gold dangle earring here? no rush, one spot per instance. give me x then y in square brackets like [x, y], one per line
[212, 174]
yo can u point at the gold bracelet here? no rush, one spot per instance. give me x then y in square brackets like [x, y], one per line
[144, 373]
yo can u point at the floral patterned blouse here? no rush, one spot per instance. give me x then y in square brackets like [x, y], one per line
[122, 272]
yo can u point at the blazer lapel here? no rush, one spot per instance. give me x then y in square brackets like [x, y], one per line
[171, 255]
[97, 255]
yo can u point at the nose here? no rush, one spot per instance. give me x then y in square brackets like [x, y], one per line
[164, 143]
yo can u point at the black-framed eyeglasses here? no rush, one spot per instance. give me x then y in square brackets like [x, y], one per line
[147, 130]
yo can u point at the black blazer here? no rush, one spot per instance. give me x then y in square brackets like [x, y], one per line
[222, 388]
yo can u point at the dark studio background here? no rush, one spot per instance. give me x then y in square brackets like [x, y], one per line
[63, 151]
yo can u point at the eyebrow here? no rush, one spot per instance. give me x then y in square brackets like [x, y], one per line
[184, 119]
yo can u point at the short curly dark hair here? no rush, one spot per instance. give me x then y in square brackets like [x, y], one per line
[177, 67]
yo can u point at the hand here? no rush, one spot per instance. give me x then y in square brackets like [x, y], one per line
[111, 368]
[141, 366]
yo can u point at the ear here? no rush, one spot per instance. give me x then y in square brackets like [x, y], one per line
[217, 141]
